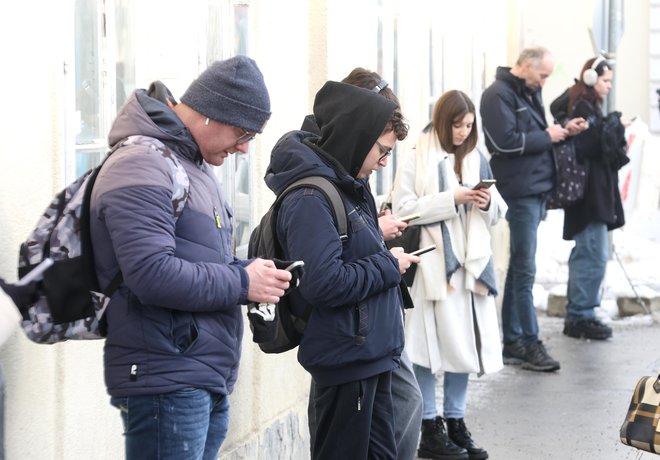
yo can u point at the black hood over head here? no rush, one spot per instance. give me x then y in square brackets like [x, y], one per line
[351, 120]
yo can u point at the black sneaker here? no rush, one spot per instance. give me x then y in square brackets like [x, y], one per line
[538, 359]
[513, 353]
[587, 328]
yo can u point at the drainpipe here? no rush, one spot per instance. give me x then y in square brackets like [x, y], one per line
[615, 31]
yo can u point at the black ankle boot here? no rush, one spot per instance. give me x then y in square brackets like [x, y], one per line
[436, 444]
[459, 433]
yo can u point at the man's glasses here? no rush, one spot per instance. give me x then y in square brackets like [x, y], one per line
[384, 151]
[246, 136]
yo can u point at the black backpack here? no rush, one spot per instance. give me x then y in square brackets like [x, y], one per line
[275, 328]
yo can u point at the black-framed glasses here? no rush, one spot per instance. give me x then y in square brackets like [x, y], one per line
[246, 136]
[384, 151]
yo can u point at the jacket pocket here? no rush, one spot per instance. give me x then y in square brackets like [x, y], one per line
[356, 222]
[361, 323]
[183, 332]
[523, 119]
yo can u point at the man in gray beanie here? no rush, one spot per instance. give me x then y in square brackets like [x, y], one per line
[159, 219]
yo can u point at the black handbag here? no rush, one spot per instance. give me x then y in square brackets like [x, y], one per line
[640, 428]
[409, 241]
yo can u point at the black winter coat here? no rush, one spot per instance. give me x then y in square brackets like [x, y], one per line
[514, 126]
[602, 200]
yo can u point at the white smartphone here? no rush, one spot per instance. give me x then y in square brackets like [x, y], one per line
[410, 217]
[294, 265]
[421, 251]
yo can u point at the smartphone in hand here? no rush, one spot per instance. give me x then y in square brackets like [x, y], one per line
[484, 183]
[421, 251]
[410, 217]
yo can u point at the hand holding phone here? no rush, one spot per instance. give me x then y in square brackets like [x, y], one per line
[421, 251]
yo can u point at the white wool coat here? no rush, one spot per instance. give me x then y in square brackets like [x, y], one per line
[454, 325]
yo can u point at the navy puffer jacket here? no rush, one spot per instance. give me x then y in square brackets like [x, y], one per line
[176, 321]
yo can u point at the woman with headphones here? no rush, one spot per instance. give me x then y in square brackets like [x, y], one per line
[588, 221]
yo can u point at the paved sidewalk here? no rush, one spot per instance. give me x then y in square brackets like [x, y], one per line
[574, 413]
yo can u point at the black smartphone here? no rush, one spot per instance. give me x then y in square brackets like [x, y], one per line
[421, 251]
[484, 183]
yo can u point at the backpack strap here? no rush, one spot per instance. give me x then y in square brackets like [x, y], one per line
[329, 190]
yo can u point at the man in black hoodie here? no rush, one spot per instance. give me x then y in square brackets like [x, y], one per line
[406, 395]
[354, 337]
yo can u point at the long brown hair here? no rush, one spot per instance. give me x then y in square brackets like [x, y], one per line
[581, 92]
[449, 109]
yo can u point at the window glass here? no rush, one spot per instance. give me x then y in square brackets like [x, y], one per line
[89, 129]
[121, 45]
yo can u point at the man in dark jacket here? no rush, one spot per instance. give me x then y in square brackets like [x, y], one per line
[174, 327]
[520, 142]
[406, 395]
[354, 337]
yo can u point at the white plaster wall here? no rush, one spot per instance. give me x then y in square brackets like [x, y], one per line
[56, 407]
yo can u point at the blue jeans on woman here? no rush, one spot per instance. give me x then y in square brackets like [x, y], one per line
[518, 314]
[190, 423]
[586, 271]
[454, 393]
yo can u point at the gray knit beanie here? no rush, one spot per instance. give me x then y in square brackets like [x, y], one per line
[232, 92]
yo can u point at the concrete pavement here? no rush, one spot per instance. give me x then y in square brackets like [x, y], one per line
[574, 413]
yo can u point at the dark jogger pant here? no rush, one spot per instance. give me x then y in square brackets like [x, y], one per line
[355, 420]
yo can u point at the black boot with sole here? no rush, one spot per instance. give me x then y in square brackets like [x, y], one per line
[436, 444]
[459, 433]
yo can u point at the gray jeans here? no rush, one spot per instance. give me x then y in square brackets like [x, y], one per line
[407, 405]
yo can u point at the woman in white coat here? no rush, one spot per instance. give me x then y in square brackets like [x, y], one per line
[453, 327]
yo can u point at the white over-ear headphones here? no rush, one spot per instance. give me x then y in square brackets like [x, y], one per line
[590, 76]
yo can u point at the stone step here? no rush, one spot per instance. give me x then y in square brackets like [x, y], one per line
[628, 306]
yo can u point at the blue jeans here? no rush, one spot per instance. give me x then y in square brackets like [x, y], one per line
[190, 423]
[454, 387]
[586, 270]
[518, 313]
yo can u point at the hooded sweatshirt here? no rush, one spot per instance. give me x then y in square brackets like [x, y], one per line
[176, 320]
[355, 330]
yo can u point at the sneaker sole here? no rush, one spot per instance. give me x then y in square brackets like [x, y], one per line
[427, 454]
[482, 456]
[532, 367]
[512, 361]
[587, 336]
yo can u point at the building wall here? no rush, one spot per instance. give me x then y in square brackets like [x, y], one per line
[56, 406]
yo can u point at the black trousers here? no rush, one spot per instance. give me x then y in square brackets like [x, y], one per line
[355, 420]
